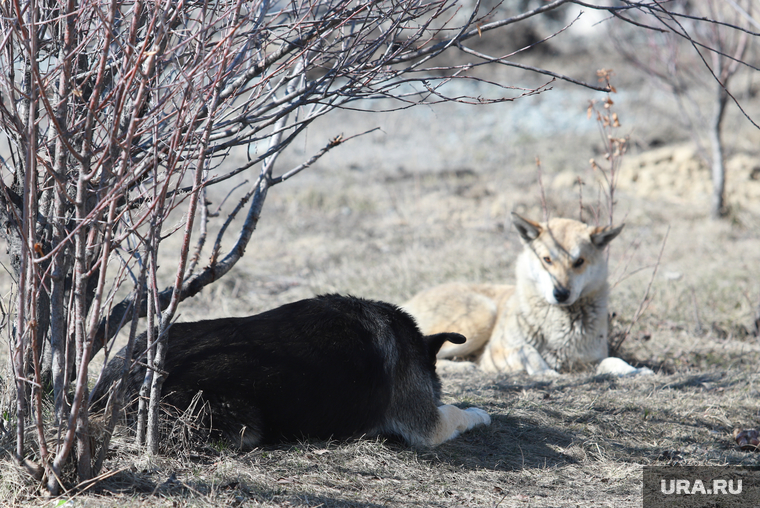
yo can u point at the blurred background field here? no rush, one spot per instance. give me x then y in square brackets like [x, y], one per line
[426, 199]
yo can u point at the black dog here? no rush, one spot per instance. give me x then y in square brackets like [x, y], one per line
[327, 367]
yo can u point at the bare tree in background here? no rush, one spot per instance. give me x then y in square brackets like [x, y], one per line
[683, 44]
[119, 115]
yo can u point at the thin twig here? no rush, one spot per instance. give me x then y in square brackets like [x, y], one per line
[644, 303]
[541, 189]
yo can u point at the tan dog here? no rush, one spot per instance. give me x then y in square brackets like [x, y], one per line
[553, 320]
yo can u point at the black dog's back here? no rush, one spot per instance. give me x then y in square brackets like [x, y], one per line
[330, 366]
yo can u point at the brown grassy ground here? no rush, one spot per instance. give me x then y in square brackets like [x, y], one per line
[428, 201]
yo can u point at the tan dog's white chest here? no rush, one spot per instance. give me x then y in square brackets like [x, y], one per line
[554, 319]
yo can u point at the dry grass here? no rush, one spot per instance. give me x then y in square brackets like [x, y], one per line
[577, 440]
[429, 202]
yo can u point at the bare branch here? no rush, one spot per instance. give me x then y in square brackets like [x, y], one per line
[122, 116]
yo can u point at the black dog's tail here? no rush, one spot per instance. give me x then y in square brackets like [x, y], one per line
[435, 341]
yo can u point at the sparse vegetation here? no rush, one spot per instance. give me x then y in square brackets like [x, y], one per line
[425, 201]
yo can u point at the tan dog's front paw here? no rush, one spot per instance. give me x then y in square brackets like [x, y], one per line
[522, 358]
[453, 367]
[619, 367]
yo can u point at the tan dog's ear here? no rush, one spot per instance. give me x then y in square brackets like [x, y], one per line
[602, 236]
[527, 229]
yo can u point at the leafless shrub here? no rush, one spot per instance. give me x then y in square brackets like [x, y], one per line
[118, 118]
[606, 173]
[681, 45]
[615, 147]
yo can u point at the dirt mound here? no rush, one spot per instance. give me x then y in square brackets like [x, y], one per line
[679, 174]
